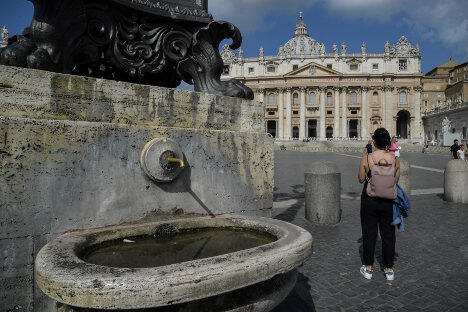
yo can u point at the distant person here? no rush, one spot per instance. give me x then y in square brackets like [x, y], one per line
[461, 153]
[369, 147]
[394, 147]
[464, 143]
[454, 149]
[425, 148]
[377, 203]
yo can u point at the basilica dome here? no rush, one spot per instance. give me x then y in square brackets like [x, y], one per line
[302, 43]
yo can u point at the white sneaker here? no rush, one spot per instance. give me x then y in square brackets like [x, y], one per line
[365, 272]
[390, 275]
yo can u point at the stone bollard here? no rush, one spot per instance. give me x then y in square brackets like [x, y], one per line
[405, 172]
[322, 193]
[456, 181]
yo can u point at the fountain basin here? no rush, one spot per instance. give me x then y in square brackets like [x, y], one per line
[65, 272]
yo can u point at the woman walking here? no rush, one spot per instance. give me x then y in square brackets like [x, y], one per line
[379, 171]
[394, 148]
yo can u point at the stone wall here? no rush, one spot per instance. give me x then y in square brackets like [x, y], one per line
[349, 147]
[69, 153]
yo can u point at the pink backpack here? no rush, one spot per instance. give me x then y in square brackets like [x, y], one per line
[382, 180]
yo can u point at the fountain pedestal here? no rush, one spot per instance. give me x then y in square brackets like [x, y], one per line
[71, 146]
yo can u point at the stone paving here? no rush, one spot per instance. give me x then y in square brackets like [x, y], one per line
[431, 255]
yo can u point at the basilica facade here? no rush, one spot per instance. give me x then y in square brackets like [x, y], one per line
[311, 93]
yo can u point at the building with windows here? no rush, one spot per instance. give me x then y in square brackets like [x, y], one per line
[311, 93]
[445, 104]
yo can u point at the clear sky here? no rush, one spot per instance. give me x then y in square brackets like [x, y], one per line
[439, 26]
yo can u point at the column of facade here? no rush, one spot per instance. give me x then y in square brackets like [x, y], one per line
[302, 128]
[344, 114]
[384, 106]
[336, 121]
[280, 113]
[288, 113]
[364, 118]
[322, 112]
[388, 112]
[417, 113]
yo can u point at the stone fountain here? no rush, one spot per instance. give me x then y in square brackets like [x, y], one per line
[97, 152]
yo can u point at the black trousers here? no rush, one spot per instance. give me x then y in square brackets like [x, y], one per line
[377, 213]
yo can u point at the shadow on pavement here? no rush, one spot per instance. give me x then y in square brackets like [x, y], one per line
[299, 300]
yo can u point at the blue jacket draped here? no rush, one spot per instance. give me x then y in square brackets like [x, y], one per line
[401, 206]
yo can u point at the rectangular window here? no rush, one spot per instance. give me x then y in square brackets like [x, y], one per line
[458, 70]
[375, 66]
[353, 112]
[425, 103]
[295, 112]
[295, 67]
[330, 66]
[402, 65]
[329, 112]
[353, 67]
[271, 113]
[251, 70]
[226, 70]
[271, 69]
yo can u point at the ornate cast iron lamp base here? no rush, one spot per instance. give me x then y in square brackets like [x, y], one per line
[142, 41]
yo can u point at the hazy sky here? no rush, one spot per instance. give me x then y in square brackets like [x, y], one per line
[439, 26]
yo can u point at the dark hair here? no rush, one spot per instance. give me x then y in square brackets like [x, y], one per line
[456, 140]
[381, 138]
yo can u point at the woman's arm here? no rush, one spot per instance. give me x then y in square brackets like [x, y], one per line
[362, 169]
[397, 169]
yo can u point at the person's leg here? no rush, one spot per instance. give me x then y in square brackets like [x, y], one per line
[369, 221]
[387, 234]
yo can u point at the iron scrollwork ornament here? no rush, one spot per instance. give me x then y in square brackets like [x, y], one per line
[112, 40]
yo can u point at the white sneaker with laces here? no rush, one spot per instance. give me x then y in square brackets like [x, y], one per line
[390, 275]
[365, 272]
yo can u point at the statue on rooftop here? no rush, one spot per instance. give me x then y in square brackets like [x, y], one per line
[335, 48]
[5, 34]
[156, 42]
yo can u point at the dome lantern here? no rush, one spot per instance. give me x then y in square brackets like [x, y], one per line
[301, 27]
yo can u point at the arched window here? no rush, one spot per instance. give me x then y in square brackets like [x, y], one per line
[329, 99]
[353, 97]
[271, 99]
[375, 97]
[312, 98]
[295, 99]
[403, 98]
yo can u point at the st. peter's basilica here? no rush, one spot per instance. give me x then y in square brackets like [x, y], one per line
[311, 93]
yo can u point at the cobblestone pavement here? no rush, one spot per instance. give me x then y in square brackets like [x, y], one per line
[431, 255]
